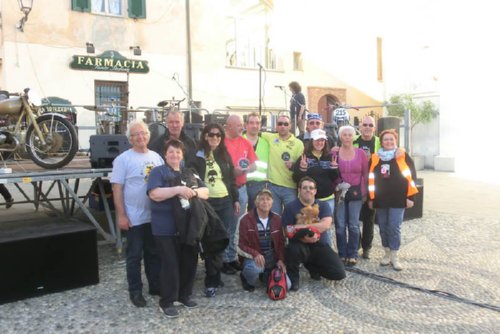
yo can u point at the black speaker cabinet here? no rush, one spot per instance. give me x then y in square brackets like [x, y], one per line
[418, 208]
[216, 118]
[105, 148]
[389, 122]
[44, 256]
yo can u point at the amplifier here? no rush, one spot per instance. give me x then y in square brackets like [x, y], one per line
[216, 118]
[105, 148]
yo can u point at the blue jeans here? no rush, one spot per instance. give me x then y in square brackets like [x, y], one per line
[140, 243]
[347, 228]
[253, 189]
[225, 210]
[243, 199]
[331, 204]
[389, 222]
[281, 197]
[251, 273]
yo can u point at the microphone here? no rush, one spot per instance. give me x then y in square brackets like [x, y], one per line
[173, 76]
[278, 86]
[260, 65]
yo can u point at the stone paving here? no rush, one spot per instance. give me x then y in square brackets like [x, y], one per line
[454, 254]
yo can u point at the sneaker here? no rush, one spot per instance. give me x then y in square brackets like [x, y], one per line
[137, 299]
[9, 203]
[351, 262]
[170, 311]
[210, 292]
[295, 286]
[228, 269]
[366, 254]
[188, 303]
[246, 286]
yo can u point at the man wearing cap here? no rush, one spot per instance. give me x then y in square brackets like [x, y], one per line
[256, 180]
[260, 241]
[315, 121]
[284, 150]
[369, 143]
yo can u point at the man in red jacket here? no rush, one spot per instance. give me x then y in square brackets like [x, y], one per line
[260, 241]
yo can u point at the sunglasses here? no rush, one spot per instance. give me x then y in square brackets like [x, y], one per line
[368, 125]
[283, 124]
[214, 134]
[308, 188]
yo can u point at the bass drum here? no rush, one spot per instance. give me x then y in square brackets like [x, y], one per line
[61, 142]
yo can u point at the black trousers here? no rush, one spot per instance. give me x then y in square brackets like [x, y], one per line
[5, 192]
[177, 270]
[367, 216]
[213, 266]
[317, 258]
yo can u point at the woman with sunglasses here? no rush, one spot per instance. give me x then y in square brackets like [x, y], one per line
[318, 163]
[392, 189]
[215, 168]
[353, 168]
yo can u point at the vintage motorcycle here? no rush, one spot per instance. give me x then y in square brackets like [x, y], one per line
[49, 139]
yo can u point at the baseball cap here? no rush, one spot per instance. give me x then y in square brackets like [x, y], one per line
[318, 134]
[265, 191]
[312, 116]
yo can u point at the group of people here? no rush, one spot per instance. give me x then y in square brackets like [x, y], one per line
[243, 202]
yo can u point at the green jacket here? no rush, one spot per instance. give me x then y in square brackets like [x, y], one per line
[376, 146]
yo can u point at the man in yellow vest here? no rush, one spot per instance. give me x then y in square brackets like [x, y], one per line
[256, 180]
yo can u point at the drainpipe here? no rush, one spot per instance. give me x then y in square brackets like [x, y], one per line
[188, 42]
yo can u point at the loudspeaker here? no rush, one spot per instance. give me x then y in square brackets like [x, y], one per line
[390, 122]
[418, 208]
[216, 118]
[44, 256]
[193, 131]
[105, 148]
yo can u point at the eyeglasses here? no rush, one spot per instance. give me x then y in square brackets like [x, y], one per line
[315, 123]
[308, 187]
[368, 125]
[283, 124]
[214, 134]
[142, 133]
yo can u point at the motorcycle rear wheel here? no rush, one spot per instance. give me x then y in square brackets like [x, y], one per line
[61, 142]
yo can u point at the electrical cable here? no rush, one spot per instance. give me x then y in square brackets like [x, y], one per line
[437, 293]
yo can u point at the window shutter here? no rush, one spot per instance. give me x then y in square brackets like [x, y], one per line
[137, 9]
[80, 5]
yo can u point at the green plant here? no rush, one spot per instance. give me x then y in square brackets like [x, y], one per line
[423, 112]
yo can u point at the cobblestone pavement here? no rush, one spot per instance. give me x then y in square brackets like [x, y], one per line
[454, 255]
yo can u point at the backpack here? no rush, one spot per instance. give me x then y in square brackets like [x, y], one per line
[276, 285]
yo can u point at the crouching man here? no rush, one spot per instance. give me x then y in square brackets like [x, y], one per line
[310, 248]
[260, 242]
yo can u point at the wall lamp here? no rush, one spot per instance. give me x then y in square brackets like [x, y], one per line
[90, 47]
[137, 50]
[25, 7]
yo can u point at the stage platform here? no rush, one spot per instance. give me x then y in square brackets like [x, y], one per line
[62, 186]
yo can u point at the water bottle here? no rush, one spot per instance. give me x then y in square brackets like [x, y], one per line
[184, 203]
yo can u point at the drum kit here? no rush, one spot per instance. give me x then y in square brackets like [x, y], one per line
[109, 117]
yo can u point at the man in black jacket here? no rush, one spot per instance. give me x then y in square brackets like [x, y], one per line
[175, 129]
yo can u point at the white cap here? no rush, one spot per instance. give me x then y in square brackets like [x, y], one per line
[318, 134]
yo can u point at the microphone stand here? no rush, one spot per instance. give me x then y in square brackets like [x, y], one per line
[190, 101]
[260, 90]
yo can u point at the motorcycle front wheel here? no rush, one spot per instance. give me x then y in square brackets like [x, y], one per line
[61, 142]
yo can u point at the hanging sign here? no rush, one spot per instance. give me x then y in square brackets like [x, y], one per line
[111, 61]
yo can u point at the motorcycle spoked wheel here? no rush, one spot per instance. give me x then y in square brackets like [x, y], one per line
[61, 142]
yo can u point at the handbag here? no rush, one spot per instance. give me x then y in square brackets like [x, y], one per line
[353, 193]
